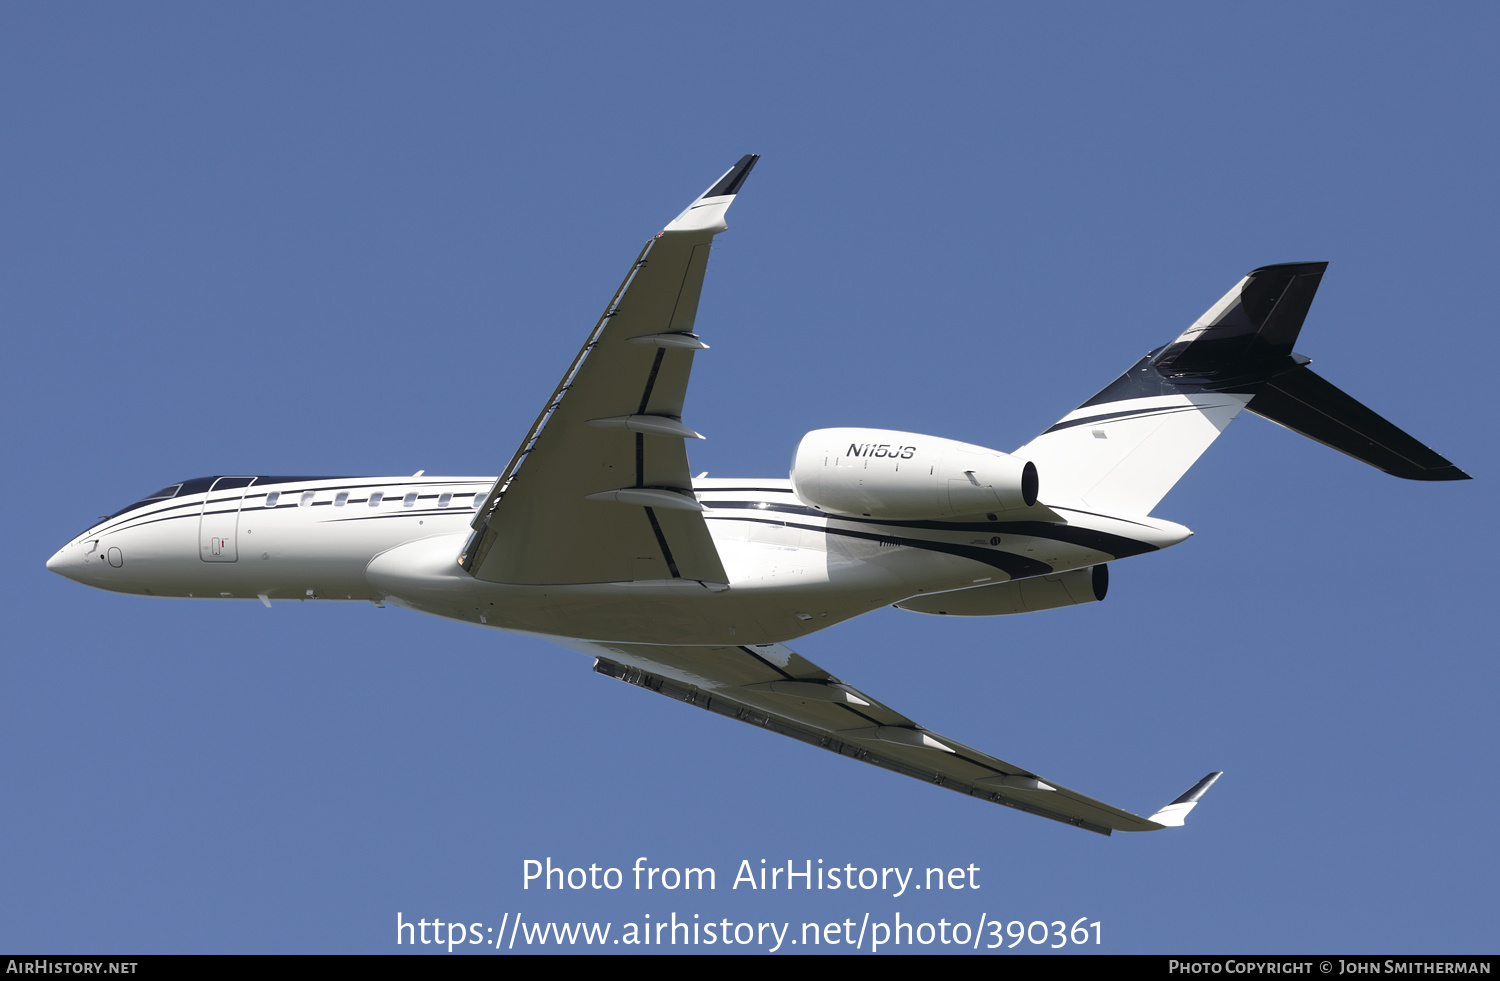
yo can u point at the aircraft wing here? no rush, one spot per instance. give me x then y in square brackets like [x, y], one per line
[773, 687]
[599, 490]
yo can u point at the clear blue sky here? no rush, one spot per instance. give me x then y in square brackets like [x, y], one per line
[367, 239]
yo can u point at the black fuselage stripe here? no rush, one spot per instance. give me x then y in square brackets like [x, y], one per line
[1015, 566]
[767, 506]
[247, 501]
[1100, 541]
[403, 513]
[1127, 413]
[298, 482]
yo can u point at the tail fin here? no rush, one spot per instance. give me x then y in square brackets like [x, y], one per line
[1123, 449]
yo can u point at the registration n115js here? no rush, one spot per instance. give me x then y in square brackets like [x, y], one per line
[596, 535]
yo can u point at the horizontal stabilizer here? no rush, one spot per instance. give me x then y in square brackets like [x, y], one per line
[1175, 813]
[1303, 402]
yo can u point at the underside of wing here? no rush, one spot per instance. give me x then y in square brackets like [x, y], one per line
[774, 688]
[600, 491]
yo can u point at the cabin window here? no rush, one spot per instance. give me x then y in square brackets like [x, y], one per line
[409, 499]
[376, 498]
[272, 498]
[478, 500]
[307, 499]
[340, 499]
[445, 499]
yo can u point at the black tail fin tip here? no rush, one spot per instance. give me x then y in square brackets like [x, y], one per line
[1260, 324]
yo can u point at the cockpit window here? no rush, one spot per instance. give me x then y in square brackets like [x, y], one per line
[167, 493]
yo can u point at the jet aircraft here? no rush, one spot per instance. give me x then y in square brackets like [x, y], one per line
[596, 536]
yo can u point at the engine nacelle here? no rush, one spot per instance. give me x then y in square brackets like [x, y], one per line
[877, 473]
[1021, 596]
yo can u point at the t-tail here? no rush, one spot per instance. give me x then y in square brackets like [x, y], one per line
[1123, 449]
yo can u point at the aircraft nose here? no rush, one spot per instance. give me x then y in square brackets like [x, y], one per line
[66, 562]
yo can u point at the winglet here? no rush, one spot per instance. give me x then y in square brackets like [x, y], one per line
[733, 177]
[706, 214]
[1175, 813]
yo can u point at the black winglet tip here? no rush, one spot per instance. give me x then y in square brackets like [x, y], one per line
[1198, 789]
[730, 182]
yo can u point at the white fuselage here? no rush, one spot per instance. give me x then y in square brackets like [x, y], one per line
[791, 569]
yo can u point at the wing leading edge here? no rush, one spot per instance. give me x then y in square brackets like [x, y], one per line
[775, 688]
[599, 490]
